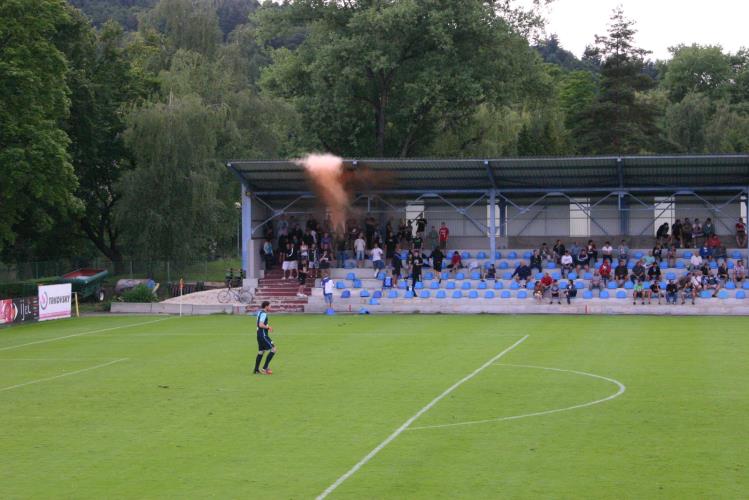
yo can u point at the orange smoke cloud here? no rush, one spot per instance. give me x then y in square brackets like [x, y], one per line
[326, 173]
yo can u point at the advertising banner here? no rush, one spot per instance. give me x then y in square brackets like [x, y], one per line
[25, 309]
[54, 301]
[6, 311]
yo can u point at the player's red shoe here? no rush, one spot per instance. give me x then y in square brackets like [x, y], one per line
[268, 371]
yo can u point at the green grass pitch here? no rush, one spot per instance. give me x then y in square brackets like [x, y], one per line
[153, 407]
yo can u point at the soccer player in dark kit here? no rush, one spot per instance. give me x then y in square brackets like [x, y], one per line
[264, 343]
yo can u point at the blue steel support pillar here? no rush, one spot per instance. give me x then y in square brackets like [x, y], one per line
[502, 217]
[247, 246]
[492, 223]
[747, 213]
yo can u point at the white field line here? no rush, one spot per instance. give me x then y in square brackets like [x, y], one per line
[56, 360]
[408, 422]
[10, 387]
[618, 393]
[8, 348]
[290, 334]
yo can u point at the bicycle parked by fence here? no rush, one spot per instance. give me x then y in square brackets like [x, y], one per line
[232, 294]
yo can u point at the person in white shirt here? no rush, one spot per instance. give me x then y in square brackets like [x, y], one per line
[377, 263]
[696, 281]
[566, 263]
[695, 262]
[360, 247]
[328, 285]
[739, 271]
[607, 251]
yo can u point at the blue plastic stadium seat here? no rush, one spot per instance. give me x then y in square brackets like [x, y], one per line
[487, 264]
[572, 275]
[512, 255]
[419, 285]
[393, 294]
[465, 255]
[514, 285]
[705, 294]
[481, 255]
[631, 264]
[741, 294]
[680, 265]
[564, 285]
[340, 285]
[530, 285]
[402, 285]
[357, 283]
[460, 276]
[507, 276]
[497, 255]
[364, 294]
[588, 276]
[551, 265]
[466, 285]
[445, 275]
[404, 255]
[638, 255]
[434, 285]
[611, 285]
[522, 294]
[736, 255]
[663, 284]
[457, 294]
[621, 294]
[745, 286]
[527, 255]
[539, 276]
[587, 294]
[505, 294]
[604, 294]
[482, 285]
[498, 285]
[374, 302]
[713, 265]
[429, 275]
[345, 294]
[489, 294]
[473, 294]
[646, 284]
[450, 285]
[665, 265]
[351, 276]
[730, 285]
[377, 294]
[556, 275]
[722, 294]
[424, 294]
[475, 275]
[349, 264]
[409, 295]
[670, 276]
[628, 285]
[441, 294]
[730, 264]
[687, 255]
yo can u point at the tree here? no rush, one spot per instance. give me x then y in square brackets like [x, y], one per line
[728, 130]
[695, 68]
[185, 25]
[686, 122]
[38, 181]
[617, 122]
[383, 78]
[577, 91]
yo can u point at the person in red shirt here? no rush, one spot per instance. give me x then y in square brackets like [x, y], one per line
[444, 233]
[740, 233]
[546, 281]
[605, 272]
[713, 241]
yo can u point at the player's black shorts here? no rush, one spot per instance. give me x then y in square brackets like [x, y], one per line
[264, 343]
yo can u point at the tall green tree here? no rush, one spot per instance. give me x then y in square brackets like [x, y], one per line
[685, 122]
[38, 181]
[695, 68]
[383, 78]
[617, 122]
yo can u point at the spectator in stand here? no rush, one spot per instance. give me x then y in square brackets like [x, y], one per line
[671, 256]
[455, 262]
[303, 271]
[574, 250]
[638, 272]
[267, 253]
[592, 250]
[723, 272]
[720, 252]
[290, 262]
[607, 251]
[340, 251]
[661, 236]
[582, 259]
[654, 272]
[536, 261]
[708, 229]
[397, 264]
[314, 262]
[676, 233]
[740, 233]
[638, 293]
[432, 238]
[522, 273]
[559, 251]
[369, 229]
[360, 247]
[671, 292]
[325, 260]
[554, 292]
[688, 292]
[696, 281]
[437, 257]
[695, 262]
[623, 251]
[686, 233]
[696, 233]
[546, 281]
[621, 273]
[377, 263]
[391, 241]
[491, 272]
[546, 253]
[421, 224]
[326, 241]
[657, 253]
[596, 282]
[444, 234]
[417, 243]
[739, 271]
[605, 271]
[570, 292]
[705, 251]
[416, 263]
[567, 263]
[538, 291]
[303, 250]
[328, 285]
[655, 291]
[711, 282]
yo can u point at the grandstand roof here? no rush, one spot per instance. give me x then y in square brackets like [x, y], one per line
[531, 175]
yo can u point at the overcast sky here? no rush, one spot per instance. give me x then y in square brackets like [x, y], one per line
[660, 23]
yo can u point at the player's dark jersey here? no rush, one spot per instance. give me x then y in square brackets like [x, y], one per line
[264, 342]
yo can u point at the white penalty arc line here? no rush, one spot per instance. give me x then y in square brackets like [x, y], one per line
[618, 393]
[10, 387]
[408, 422]
[81, 334]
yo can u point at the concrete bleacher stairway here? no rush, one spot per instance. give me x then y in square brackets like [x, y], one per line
[280, 293]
